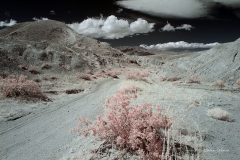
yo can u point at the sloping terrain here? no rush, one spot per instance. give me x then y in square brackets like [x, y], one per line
[219, 63]
[45, 133]
[52, 45]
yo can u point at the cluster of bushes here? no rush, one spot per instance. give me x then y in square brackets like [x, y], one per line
[89, 75]
[137, 75]
[21, 86]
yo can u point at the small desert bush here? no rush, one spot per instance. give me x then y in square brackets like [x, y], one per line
[219, 83]
[136, 129]
[194, 80]
[137, 75]
[238, 83]
[85, 76]
[20, 86]
[99, 74]
[173, 79]
[193, 102]
[163, 78]
[112, 73]
[1, 83]
[33, 70]
[23, 67]
[219, 113]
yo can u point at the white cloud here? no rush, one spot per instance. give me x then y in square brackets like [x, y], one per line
[40, 19]
[111, 28]
[141, 26]
[187, 27]
[230, 3]
[168, 27]
[7, 24]
[167, 8]
[176, 8]
[179, 45]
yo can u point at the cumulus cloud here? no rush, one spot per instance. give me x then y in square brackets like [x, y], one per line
[40, 19]
[7, 24]
[179, 45]
[167, 8]
[112, 27]
[187, 27]
[168, 27]
[141, 26]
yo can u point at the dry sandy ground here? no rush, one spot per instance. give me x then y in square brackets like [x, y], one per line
[43, 133]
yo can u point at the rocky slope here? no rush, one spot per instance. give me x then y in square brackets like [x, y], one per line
[52, 45]
[219, 63]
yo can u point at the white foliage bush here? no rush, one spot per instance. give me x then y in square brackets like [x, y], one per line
[219, 113]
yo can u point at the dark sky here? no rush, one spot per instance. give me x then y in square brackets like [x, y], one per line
[65, 9]
[222, 25]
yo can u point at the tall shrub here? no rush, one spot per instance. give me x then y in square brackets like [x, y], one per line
[137, 129]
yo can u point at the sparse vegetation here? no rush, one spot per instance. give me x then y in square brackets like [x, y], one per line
[99, 73]
[20, 86]
[85, 76]
[137, 75]
[219, 83]
[173, 79]
[74, 91]
[163, 79]
[33, 70]
[238, 84]
[23, 67]
[46, 66]
[112, 73]
[193, 102]
[194, 80]
[219, 113]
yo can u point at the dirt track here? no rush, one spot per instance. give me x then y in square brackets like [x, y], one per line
[45, 134]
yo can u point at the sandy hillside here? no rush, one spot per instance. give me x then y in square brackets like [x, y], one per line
[77, 74]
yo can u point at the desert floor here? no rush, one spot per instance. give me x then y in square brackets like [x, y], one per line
[41, 130]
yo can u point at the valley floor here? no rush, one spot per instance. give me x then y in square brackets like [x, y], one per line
[43, 131]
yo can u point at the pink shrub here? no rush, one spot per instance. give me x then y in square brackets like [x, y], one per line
[136, 129]
[138, 75]
[20, 86]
